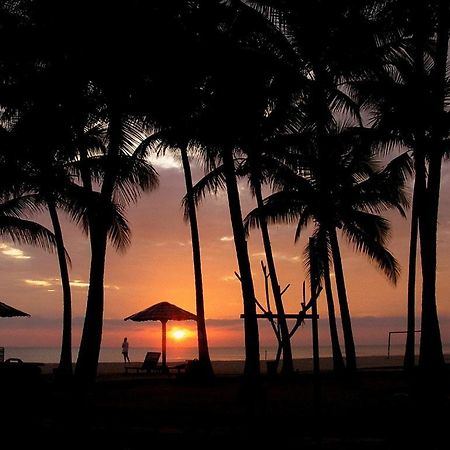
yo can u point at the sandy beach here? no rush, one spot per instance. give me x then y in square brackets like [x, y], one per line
[230, 368]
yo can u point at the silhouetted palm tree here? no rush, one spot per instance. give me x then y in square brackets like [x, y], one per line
[168, 140]
[431, 358]
[321, 267]
[21, 231]
[215, 180]
[407, 97]
[288, 365]
[221, 128]
[43, 172]
[341, 189]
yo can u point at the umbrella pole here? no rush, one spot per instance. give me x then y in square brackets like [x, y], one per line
[164, 342]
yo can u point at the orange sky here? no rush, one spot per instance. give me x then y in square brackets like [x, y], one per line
[158, 267]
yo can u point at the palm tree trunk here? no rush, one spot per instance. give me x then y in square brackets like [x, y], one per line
[431, 358]
[203, 351]
[419, 186]
[288, 364]
[419, 37]
[409, 359]
[252, 357]
[350, 353]
[87, 361]
[338, 360]
[65, 361]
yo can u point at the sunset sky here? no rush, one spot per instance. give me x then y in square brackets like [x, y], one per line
[158, 267]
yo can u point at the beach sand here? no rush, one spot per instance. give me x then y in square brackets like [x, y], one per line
[224, 368]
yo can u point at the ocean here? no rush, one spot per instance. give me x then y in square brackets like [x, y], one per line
[177, 354]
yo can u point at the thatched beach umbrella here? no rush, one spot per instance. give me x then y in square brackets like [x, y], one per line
[9, 311]
[163, 312]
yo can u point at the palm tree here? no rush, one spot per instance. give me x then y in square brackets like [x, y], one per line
[215, 180]
[341, 189]
[407, 96]
[431, 358]
[203, 351]
[40, 170]
[239, 108]
[322, 34]
[288, 365]
[168, 140]
[18, 230]
[323, 261]
[259, 165]
[121, 176]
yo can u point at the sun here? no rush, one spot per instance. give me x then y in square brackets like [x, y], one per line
[179, 334]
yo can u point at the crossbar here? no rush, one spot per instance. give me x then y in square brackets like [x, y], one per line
[286, 316]
[389, 339]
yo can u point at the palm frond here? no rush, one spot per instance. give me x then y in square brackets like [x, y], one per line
[373, 246]
[135, 176]
[305, 218]
[21, 231]
[119, 231]
[22, 205]
[373, 226]
[211, 183]
[86, 208]
[385, 189]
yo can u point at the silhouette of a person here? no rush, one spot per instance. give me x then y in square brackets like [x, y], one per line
[125, 347]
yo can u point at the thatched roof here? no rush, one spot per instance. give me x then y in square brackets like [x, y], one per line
[9, 311]
[162, 311]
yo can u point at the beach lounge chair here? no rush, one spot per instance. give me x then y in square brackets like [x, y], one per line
[149, 365]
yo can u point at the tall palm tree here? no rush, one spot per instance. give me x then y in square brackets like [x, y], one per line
[407, 97]
[237, 110]
[41, 171]
[14, 228]
[168, 139]
[322, 34]
[121, 177]
[288, 365]
[341, 189]
[431, 358]
[322, 260]
[259, 166]
[203, 350]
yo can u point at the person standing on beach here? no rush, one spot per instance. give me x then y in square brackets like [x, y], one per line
[125, 347]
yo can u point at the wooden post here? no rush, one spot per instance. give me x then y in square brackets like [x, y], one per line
[164, 342]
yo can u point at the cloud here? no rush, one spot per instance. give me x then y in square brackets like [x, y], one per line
[165, 162]
[229, 278]
[40, 283]
[13, 252]
[227, 238]
[278, 256]
[53, 282]
[112, 286]
[79, 283]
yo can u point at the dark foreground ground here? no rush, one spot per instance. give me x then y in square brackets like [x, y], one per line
[377, 409]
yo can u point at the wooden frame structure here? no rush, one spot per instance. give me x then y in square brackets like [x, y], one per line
[301, 316]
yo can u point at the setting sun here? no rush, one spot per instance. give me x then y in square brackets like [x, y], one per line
[180, 334]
